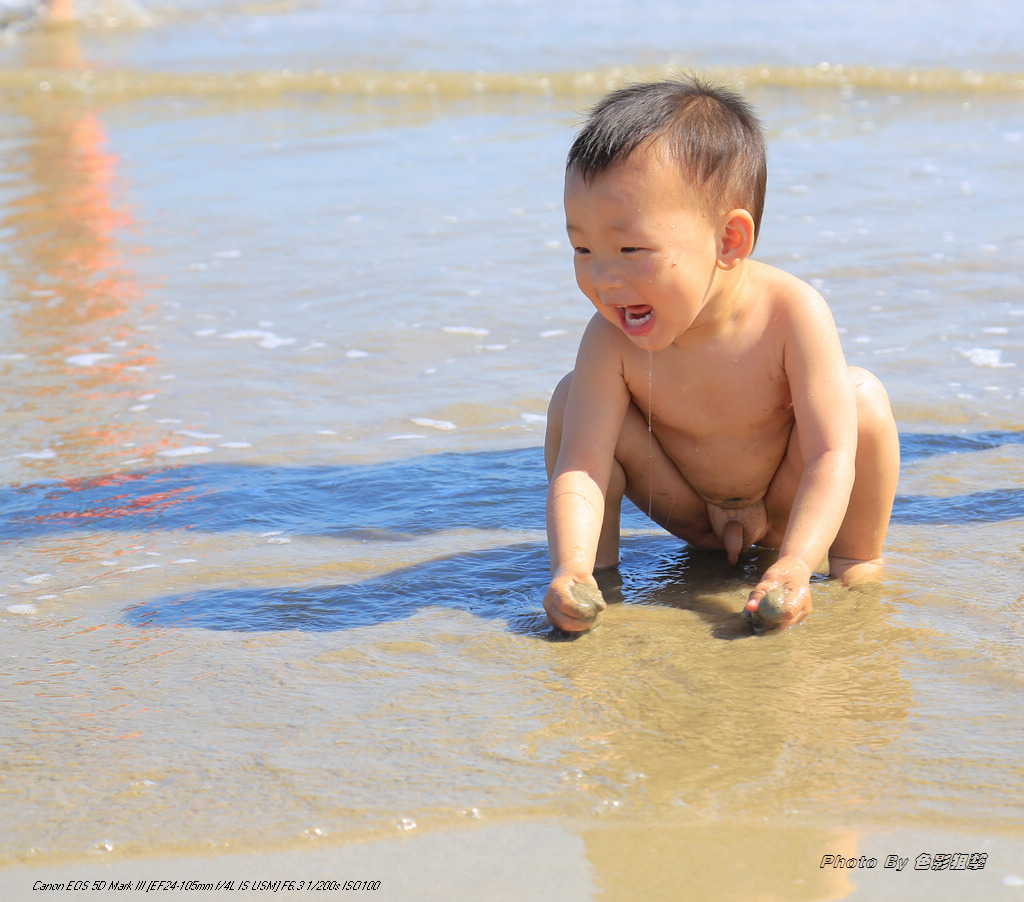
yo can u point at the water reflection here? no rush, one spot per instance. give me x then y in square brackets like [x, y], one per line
[71, 295]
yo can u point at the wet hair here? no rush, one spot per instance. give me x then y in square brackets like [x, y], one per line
[709, 131]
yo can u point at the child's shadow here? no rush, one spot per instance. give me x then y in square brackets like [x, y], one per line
[505, 584]
[500, 584]
[668, 574]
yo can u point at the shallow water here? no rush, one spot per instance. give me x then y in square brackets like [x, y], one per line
[285, 291]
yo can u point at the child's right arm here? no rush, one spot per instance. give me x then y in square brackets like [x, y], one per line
[594, 413]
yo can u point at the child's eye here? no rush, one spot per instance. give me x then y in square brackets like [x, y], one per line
[581, 250]
[630, 250]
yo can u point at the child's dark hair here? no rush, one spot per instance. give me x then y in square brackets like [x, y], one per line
[709, 131]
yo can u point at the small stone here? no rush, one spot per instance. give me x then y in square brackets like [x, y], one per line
[770, 612]
[589, 602]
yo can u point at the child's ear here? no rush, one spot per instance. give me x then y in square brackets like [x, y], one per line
[736, 238]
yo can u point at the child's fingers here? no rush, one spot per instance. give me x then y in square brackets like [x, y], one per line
[779, 606]
[573, 606]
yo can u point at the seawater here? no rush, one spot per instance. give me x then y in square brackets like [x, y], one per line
[285, 290]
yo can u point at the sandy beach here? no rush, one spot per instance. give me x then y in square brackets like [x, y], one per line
[564, 862]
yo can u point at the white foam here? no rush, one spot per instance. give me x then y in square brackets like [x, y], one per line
[353, 354]
[264, 338]
[87, 359]
[21, 608]
[140, 567]
[38, 578]
[552, 333]
[185, 452]
[192, 434]
[986, 357]
[443, 425]
[235, 444]
[466, 330]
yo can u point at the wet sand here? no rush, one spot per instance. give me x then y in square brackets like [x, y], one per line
[568, 862]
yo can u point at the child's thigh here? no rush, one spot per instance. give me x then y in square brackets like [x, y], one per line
[654, 484]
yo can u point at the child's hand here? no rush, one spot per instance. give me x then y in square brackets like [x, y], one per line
[573, 605]
[782, 598]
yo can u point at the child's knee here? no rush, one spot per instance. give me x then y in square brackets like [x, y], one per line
[556, 414]
[874, 412]
[556, 406]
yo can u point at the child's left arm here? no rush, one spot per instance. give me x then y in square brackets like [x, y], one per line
[825, 413]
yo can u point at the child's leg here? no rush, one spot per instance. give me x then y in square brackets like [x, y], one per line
[856, 554]
[641, 472]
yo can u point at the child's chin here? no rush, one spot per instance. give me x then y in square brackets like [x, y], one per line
[649, 341]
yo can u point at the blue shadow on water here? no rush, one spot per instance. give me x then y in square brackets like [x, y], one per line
[389, 501]
[487, 490]
[500, 584]
[505, 584]
[493, 490]
[990, 506]
[919, 445]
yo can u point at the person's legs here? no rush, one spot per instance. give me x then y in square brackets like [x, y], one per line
[641, 472]
[856, 554]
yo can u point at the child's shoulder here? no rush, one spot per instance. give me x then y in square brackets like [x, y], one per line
[781, 291]
[783, 285]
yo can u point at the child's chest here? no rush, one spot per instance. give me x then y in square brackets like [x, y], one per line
[718, 392]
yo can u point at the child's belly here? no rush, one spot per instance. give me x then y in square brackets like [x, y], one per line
[730, 472]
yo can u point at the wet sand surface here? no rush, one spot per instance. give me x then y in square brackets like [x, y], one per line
[572, 862]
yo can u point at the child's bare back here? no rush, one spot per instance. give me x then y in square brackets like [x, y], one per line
[709, 389]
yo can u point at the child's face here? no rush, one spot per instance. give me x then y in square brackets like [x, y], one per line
[645, 252]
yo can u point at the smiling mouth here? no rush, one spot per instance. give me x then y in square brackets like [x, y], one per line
[634, 318]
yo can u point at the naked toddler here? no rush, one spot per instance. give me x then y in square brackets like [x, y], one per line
[710, 389]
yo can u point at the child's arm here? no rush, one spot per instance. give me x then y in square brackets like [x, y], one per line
[825, 412]
[594, 413]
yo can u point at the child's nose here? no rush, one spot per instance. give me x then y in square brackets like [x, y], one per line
[606, 275]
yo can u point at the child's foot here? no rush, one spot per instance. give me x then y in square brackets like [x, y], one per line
[852, 572]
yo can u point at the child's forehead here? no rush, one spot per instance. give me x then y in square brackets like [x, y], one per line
[650, 165]
[642, 179]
